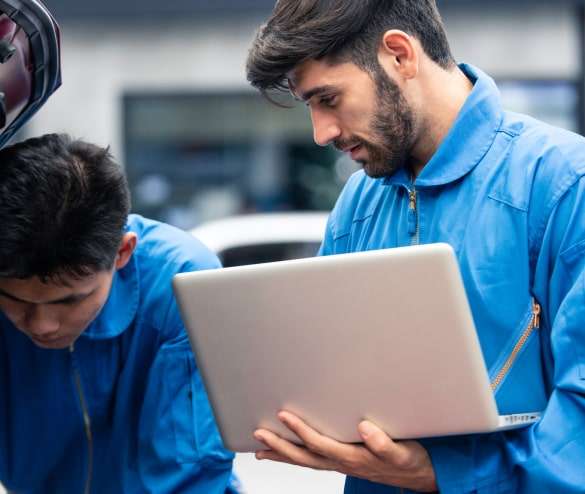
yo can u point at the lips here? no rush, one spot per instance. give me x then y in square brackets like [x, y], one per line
[59, 342]
[354, 151]
[45, 339]
[348, 149]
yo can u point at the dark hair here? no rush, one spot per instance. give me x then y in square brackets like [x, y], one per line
[63, 208]
[339, 30]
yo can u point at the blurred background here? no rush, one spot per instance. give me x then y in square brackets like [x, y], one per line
[162, 83]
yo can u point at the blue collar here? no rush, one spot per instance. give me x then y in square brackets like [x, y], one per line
[469, 139]
[120, 308]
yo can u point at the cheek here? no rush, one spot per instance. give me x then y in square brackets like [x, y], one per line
[14, 312]
[356, 122]
[78, 319]
[360, 111]
[87, 312]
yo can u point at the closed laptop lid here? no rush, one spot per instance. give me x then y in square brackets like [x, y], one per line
[384, 335]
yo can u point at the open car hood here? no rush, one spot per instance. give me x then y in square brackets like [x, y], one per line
[30, 62]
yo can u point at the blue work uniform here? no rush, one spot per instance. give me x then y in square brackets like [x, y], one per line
[125, 410]
[507, 192]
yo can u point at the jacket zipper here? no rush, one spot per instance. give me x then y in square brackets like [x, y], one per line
[413, 223]
[532, 325]
[86, 423]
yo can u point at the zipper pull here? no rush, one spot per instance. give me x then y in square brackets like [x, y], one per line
[412, 212]
[535, 314]
[412, 196]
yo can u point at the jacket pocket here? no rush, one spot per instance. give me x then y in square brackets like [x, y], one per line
[183, 418]
[209, 443]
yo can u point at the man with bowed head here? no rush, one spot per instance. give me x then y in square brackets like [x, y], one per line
[99, 389]
[444, 162]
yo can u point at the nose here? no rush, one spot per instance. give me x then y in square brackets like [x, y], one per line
[41, 322]
[325, 128]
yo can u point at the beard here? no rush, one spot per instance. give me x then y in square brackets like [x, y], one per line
[392, 128]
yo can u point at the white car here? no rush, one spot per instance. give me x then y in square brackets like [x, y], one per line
[257, 238]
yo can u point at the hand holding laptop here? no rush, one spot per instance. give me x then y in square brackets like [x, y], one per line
[404, 464]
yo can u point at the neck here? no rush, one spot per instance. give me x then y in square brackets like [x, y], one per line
[444, 94]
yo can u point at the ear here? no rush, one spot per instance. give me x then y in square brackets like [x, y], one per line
[125, 251]
[398, 54]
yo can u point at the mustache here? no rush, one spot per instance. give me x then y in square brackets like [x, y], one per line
[341, 144]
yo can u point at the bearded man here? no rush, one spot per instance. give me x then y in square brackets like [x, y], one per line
[443, 162]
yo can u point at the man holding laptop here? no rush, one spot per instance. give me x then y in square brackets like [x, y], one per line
[443, 162]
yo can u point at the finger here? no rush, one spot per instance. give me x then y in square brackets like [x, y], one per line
[273, 456]
[259, 435]
[268, 454]
[288, 452]
[381, 446]
[318, 443]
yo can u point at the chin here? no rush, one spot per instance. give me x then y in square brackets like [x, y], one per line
[57, 344]
[375, 170]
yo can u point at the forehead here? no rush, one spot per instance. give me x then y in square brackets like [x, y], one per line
[312, 74]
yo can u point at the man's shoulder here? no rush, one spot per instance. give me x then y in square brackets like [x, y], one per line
[142, 290]
[541, 164]
[544, 163]
[162, 252]
[162, 247]
[551, 148]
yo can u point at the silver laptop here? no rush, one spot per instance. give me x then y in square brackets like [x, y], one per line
[383, 335]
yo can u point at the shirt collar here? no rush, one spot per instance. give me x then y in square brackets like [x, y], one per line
[469, 139]
[121, 306]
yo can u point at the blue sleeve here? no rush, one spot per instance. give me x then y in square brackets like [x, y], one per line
[179, 446]
[180, 450]
[548, 457]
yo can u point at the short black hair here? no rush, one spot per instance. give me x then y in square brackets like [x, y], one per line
[63, 208]
[339, 30]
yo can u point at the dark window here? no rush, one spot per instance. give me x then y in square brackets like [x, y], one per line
[196, 157]
[257, 254]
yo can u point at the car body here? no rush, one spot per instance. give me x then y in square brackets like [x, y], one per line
[258, 238]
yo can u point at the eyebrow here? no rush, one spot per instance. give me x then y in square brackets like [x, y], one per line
[65, 300]
[317, 91]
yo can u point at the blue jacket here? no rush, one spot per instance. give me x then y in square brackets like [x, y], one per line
[508, 194]
[151, 424]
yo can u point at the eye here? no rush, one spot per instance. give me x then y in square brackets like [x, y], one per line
[68, 302]
[328, 101]
[10, 299]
